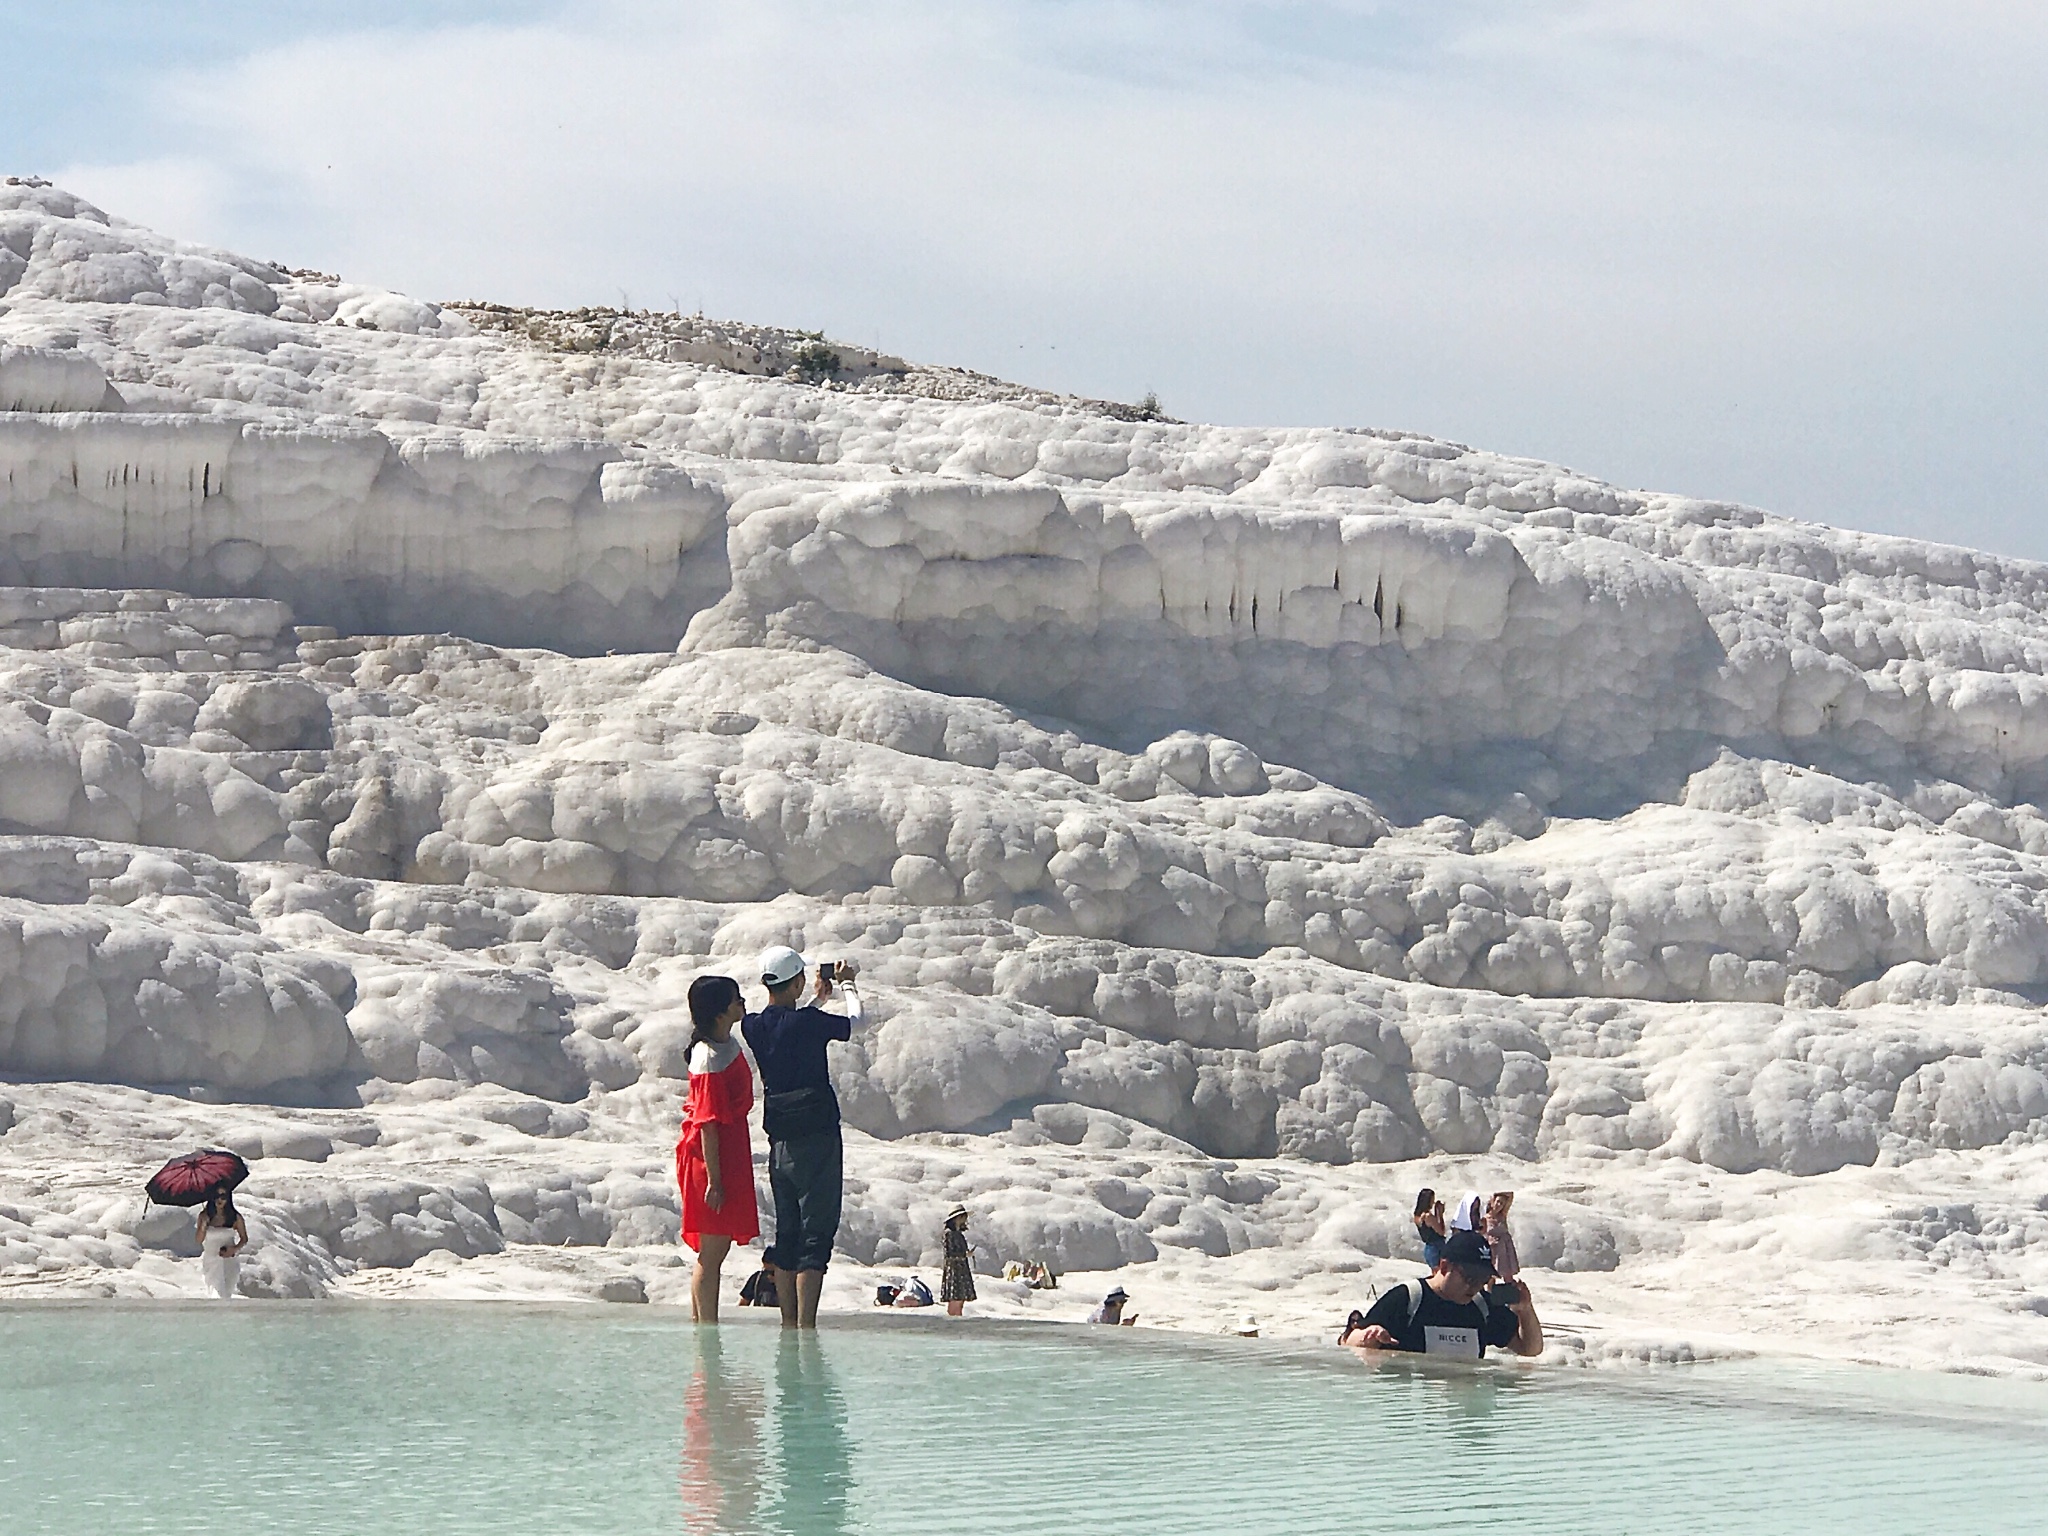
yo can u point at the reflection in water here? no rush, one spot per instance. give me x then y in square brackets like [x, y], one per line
[342, 1420]
[1471, 1400]
[813, 1495]
[1446, 1404]
[722, 1449]
[730, 1484]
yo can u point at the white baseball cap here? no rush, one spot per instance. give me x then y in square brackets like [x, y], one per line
[780, 964]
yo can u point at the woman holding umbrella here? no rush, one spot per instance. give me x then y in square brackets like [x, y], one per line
[208, 1179]
[222, 1237]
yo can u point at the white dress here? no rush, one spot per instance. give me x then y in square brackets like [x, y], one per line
[223, 1271]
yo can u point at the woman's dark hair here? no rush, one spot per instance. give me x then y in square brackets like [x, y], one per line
[220, 1208]
[1424, 1201]
[709, 997]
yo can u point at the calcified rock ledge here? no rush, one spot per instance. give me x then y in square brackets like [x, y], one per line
[1238, 829]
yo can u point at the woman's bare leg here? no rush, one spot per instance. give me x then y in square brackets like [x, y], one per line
[953, 1308]
[704, 1279]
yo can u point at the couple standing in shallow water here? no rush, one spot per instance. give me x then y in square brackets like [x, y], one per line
[799, 1113]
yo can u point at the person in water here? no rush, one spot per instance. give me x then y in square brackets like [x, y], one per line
[714, 1159]
[222, 1236]
[800, 1113]
[1448, 1314]
[956, 1279]
[1429, 1226]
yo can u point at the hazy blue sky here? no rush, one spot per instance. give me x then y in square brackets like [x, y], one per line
[1788, 253]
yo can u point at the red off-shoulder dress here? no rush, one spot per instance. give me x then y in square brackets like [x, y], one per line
[719, 1096]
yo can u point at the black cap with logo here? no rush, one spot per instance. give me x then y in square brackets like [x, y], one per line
[1468, 1250]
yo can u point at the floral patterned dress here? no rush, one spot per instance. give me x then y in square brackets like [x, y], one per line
[956, 1280]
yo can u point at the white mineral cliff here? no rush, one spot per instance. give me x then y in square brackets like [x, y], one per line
[1237, 828]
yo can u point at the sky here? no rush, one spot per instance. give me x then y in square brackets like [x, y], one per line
[1785, 252]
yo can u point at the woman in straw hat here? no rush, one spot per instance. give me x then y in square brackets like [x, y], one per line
[956, 1281]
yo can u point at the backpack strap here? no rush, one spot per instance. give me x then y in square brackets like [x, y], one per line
[1414, 1289]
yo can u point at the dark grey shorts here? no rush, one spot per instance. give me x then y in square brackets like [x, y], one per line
[805, 1174]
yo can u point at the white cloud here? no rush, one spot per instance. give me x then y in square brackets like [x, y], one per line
[177, 194]
[1776, 251]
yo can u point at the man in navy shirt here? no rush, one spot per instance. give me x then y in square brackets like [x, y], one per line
[800, 1113]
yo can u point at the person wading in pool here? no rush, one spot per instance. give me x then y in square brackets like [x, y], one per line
[1447, 1314]
[800, 1114]
[714, 1164]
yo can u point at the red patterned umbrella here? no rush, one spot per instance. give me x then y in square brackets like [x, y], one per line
[188, 1180]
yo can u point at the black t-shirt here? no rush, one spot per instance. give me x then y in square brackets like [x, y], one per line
[789, 1046]
[1440, 1327]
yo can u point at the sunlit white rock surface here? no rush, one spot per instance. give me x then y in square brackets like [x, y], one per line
[1237, 828]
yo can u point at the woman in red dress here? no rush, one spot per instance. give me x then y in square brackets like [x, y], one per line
[714, 1160]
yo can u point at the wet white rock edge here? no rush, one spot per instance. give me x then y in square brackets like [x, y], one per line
[1237, 828]
[491, 1195]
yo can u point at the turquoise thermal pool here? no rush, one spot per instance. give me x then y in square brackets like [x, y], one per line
[454, 1418]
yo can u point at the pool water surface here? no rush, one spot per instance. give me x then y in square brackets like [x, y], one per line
[458, 1418]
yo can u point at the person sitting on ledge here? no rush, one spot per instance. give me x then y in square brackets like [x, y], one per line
[759, 1291]
[912, 1293]
[1112, 1310]
[1448, 1313]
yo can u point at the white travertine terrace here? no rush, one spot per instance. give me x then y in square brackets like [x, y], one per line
[1237, 828]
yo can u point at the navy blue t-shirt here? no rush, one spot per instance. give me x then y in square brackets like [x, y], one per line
[789, 1046]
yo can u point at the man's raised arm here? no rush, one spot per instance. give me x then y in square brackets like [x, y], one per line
[828, 990]
[1528, 1339]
